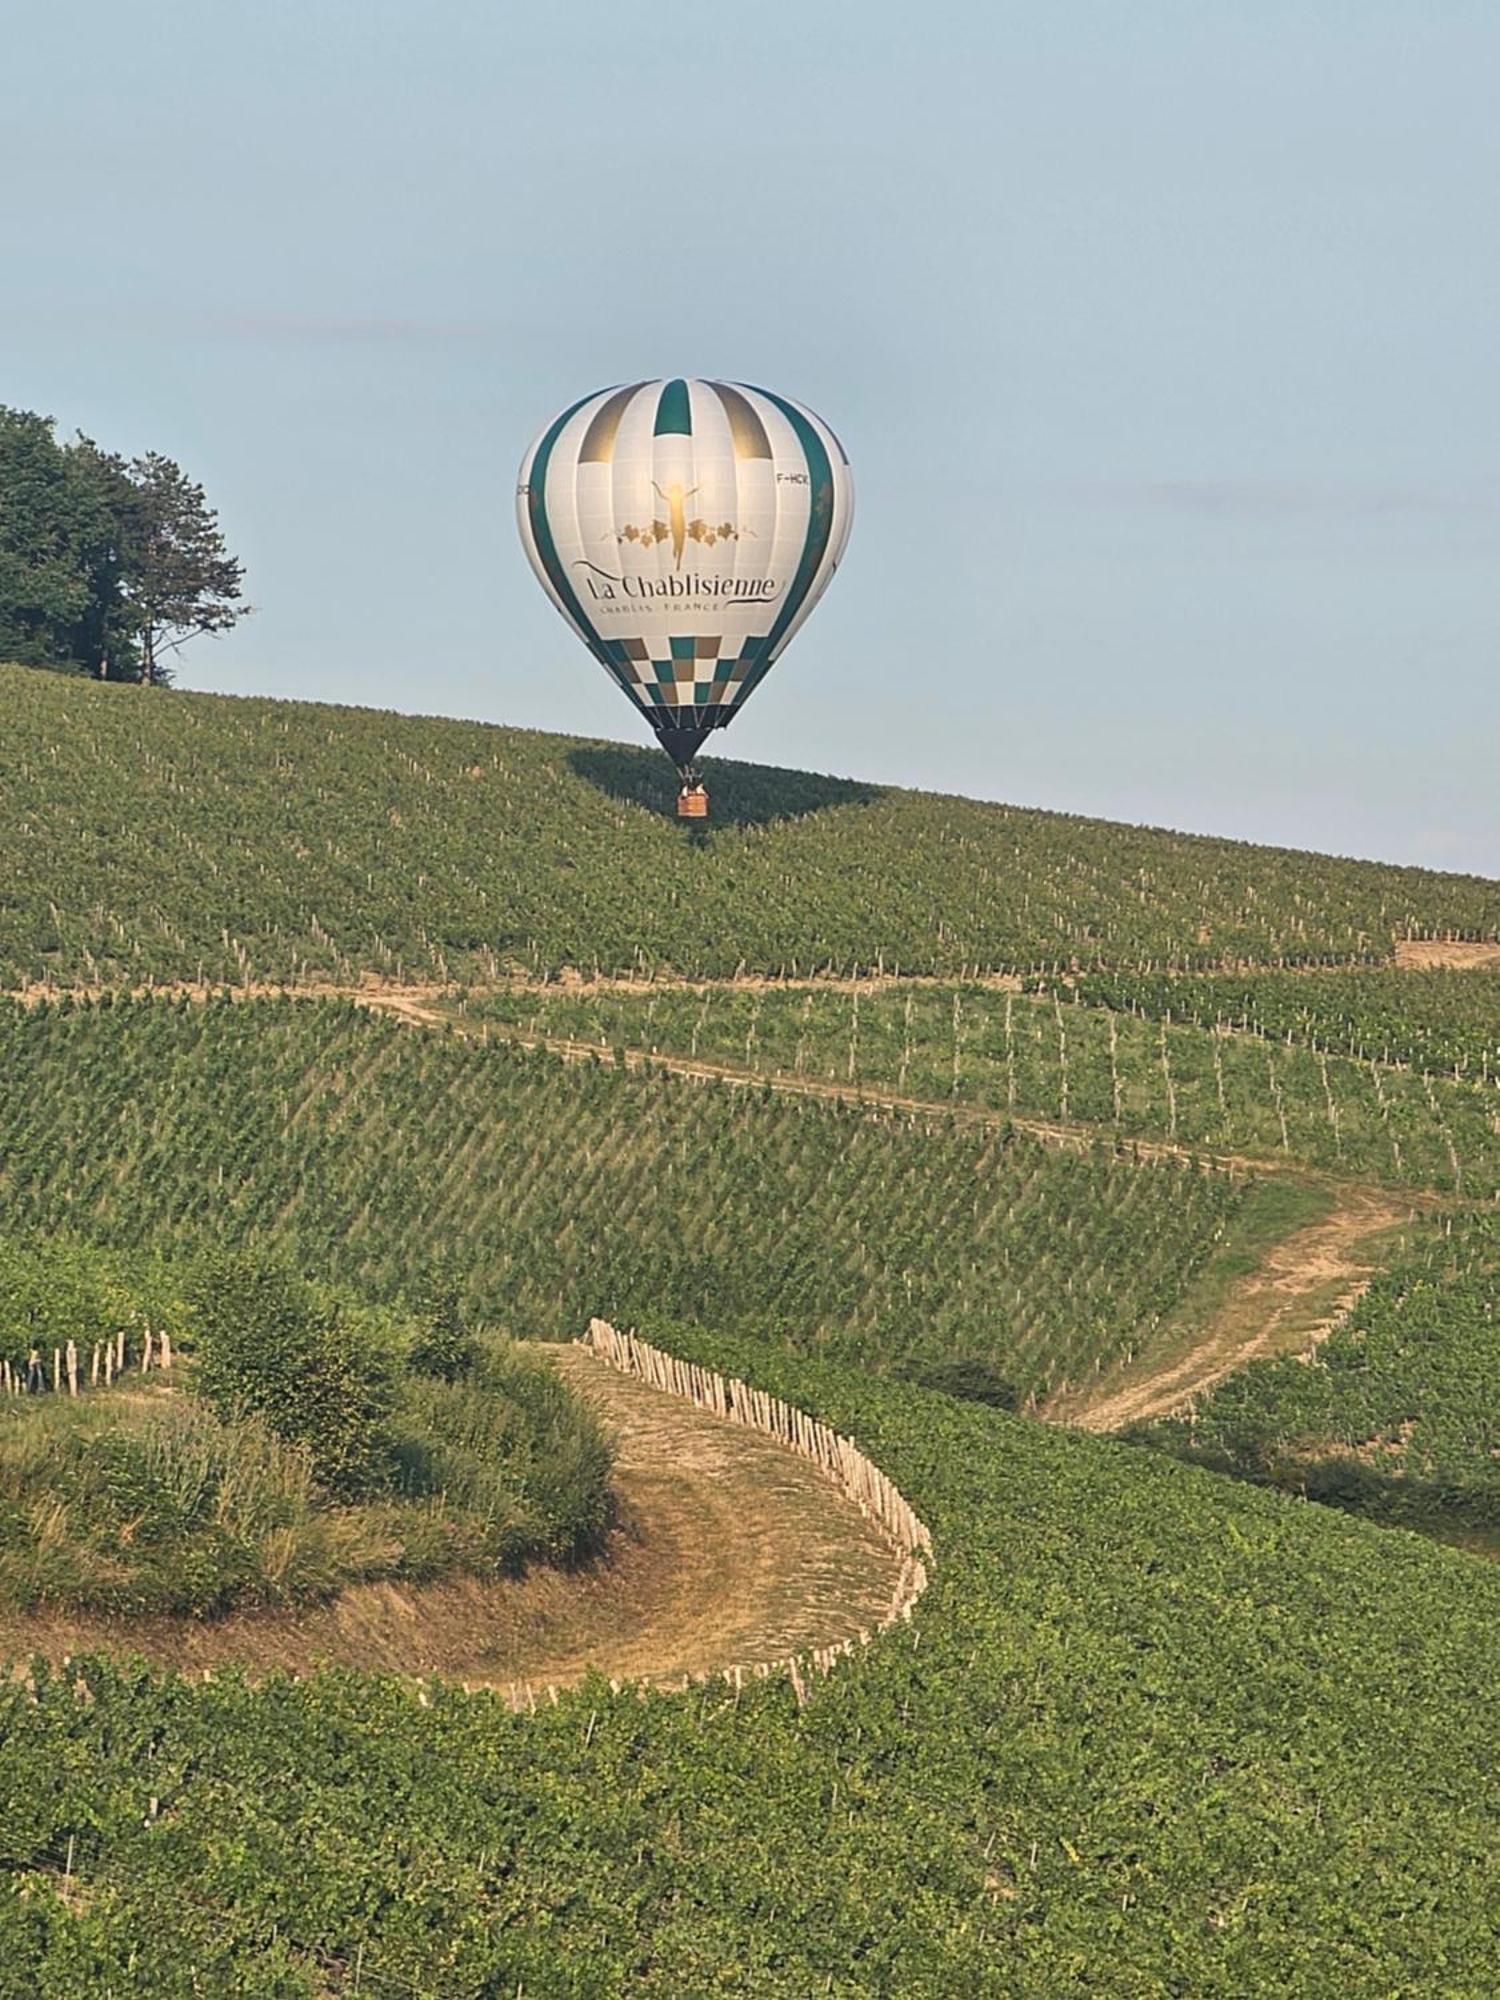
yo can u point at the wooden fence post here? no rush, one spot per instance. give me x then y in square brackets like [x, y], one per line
[839, 1458]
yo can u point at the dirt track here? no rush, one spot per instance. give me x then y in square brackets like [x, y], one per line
[1456, 954]
[1302, 1290]
[1304, 1286]
[730, 1551]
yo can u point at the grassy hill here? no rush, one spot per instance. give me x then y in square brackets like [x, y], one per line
[379, 1155]
[1152, 1733]
[1152, 1730]
[180, 836]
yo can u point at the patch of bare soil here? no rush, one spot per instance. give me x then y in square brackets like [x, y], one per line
[729, 1551]
[1456, 954]
[1303, 1289]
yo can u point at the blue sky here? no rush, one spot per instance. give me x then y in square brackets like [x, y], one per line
[1163, 339]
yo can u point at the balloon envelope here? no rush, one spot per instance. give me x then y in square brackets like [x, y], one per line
[685, 530]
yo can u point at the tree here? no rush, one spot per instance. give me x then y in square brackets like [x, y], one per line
[179, 577]
[61, 527]
[104, 566]
[104, 638]
[267, 1346]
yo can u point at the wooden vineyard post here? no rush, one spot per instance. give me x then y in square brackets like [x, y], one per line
[72, 1368]
[839, 1458]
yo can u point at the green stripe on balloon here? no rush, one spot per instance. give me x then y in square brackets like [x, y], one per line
[674, 413]
[819, 529]
[541, 531]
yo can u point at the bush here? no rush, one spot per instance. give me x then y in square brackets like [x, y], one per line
[268, 1346]
[443, 1346]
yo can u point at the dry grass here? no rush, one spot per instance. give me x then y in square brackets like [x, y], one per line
[1453, 954]
[729, 1551]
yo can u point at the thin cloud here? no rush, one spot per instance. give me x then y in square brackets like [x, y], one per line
[333, 327]
[1272, 500]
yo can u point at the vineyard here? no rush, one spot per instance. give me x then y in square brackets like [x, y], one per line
[1156, 1725]
[1151, 1732]
[53, 1291]
[379, 1156]
[1047, 1056]
[1441, 1023]
[1398, 1416]
[194, 837]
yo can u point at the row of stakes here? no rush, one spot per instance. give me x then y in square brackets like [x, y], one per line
[36, 1375]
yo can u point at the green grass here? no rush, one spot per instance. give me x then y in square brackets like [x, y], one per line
[145, 1498]
[1152, 1732]
[177, 836]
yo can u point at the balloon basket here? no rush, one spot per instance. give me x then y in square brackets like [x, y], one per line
[692, 802]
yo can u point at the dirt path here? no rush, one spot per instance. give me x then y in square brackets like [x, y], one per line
[1414, 954]
[1301, 1290]
[1456, 954]
[1304, 1286]
[1075, 1137]
[730, 1551]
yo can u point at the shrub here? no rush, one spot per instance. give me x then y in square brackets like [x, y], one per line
[268, 1346]
[443, 1346]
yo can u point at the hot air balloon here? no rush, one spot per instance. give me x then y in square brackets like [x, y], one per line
[685, 530]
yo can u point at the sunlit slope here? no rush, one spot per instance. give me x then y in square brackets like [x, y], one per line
[1150, 1733]
[1185, 1073]
[381, 1156]
[1397, 1415]
[178, 836]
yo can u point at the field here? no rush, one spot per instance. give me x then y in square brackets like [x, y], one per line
[381, 1156]
[251, 840]
[1152, 1732]
[1112, 1113]
[1442, 1023]
[1398, 1416]
[1046, 1057]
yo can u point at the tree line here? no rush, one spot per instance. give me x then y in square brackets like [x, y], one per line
[108, 565]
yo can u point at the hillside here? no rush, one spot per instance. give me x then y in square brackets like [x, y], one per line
[1151, 1733]
[1171, 1075]
[1151, 1729]
[189, 837]
[378, 1155]
[1398, 1413]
